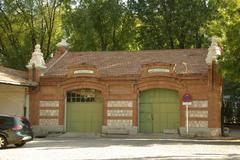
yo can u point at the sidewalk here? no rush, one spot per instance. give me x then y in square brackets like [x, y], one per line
[234, 136]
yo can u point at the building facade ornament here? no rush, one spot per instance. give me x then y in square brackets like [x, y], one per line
[37, 59]
[213, 51]
[63, 44]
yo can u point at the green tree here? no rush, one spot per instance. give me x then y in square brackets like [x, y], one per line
[25, 23]
[226, 25]
[119, 25]
[100, 25]
[172, 23]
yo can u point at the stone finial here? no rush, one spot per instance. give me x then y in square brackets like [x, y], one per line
[213, 51]
[63, 44]
[37, 59]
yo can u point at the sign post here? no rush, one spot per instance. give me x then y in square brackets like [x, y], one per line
[186, 101]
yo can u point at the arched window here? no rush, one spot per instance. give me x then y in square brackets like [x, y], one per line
[84, 95]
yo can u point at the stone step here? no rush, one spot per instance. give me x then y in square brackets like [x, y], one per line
[170, 131]
[117, 131]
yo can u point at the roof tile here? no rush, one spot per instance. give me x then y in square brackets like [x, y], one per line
[119, 63]
[14, 77]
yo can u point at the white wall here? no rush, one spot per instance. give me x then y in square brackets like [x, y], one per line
[12, 100]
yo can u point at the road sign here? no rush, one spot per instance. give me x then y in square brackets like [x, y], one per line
[187, 97]
[186, 101]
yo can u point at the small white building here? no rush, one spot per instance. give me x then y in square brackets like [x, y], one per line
[14, 88]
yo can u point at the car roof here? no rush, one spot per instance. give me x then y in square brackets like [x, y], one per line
[9, 116]
[4, 115]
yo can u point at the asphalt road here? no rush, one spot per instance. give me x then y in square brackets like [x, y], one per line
[123, 149]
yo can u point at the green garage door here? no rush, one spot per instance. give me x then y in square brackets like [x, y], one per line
[84, 111]
[159, 110]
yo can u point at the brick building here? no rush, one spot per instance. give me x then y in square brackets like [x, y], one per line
[126, 92]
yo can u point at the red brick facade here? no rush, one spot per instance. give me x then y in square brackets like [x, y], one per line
[205, 88]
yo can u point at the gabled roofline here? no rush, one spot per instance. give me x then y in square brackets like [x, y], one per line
[31, 84]
[56, 61]
[15, 77]
[137, 51]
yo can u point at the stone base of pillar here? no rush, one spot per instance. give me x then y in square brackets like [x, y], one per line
[40, 130]
[201, 132]
[121, 130]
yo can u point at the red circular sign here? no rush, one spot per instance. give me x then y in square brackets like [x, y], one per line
[187, 97]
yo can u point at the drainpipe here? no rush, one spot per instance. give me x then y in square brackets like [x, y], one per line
[65, 112]
[138, 109]
[25, 102]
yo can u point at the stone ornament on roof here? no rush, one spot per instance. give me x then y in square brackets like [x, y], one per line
[37, 59]
[63, 43]
[213, 51]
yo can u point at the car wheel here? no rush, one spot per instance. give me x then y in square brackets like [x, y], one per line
[3, 142]
[19, 144]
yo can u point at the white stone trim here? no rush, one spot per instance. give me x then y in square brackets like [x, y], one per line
[198, 124]
[120, 103]
[49, 112]
[49, 103]
[198, 114]
[199, 104]
[119, 113]
[48, 122]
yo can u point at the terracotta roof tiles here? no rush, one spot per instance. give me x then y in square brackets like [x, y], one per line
[119, 63]
[14, 77]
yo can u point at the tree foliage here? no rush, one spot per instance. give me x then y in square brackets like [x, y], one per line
[228, 27]
[172, 23]
[100, 25]
[25, 23]
[93, 25]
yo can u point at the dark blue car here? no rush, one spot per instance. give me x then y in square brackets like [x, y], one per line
[14, 130]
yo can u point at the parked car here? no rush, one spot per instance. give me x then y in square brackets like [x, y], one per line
[14, 130]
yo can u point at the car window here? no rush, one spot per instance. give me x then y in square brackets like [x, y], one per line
[23, 121]
[6, 122]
